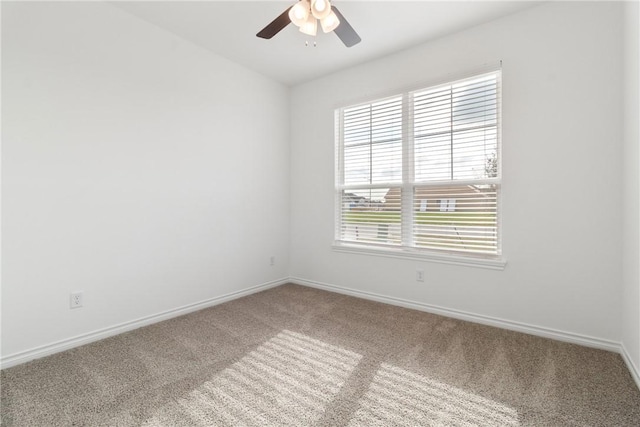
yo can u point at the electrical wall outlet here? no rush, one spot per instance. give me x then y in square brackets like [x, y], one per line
[419, 275]
[76, 300]
[272, 261]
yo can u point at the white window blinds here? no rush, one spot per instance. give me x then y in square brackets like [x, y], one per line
[421, 170]
[373, 143]
[372, 164]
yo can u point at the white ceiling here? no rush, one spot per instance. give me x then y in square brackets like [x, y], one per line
[229, 28]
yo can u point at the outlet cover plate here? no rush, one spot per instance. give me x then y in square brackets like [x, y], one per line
[75, 300]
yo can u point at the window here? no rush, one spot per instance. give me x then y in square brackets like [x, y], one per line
[420, 172]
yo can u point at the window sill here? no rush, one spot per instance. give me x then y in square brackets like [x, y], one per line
[404, 253]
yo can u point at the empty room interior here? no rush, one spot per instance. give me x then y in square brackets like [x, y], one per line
[372, 213]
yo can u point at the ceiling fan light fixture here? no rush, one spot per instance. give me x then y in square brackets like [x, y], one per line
[299, 12]
[320, 8]
[315, 10]
[310, 26]
[329, 22]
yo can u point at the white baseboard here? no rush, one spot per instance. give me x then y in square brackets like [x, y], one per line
[633, 369]
[69, 343]
[66, 344]
[471, 317]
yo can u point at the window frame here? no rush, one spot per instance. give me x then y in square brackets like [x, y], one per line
[407, 249]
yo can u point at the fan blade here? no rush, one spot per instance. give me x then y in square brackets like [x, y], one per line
[275, 26]
[345, 31]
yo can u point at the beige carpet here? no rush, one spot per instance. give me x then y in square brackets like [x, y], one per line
[299, 356]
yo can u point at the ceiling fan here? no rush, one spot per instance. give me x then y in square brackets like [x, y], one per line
[306, 13]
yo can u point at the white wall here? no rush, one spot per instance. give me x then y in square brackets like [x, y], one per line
[561, 167]
[142, 170]
[631, 187]
[120, 177]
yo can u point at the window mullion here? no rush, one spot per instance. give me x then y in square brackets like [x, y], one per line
[451, 127]
[408, 172]
[371, 144]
